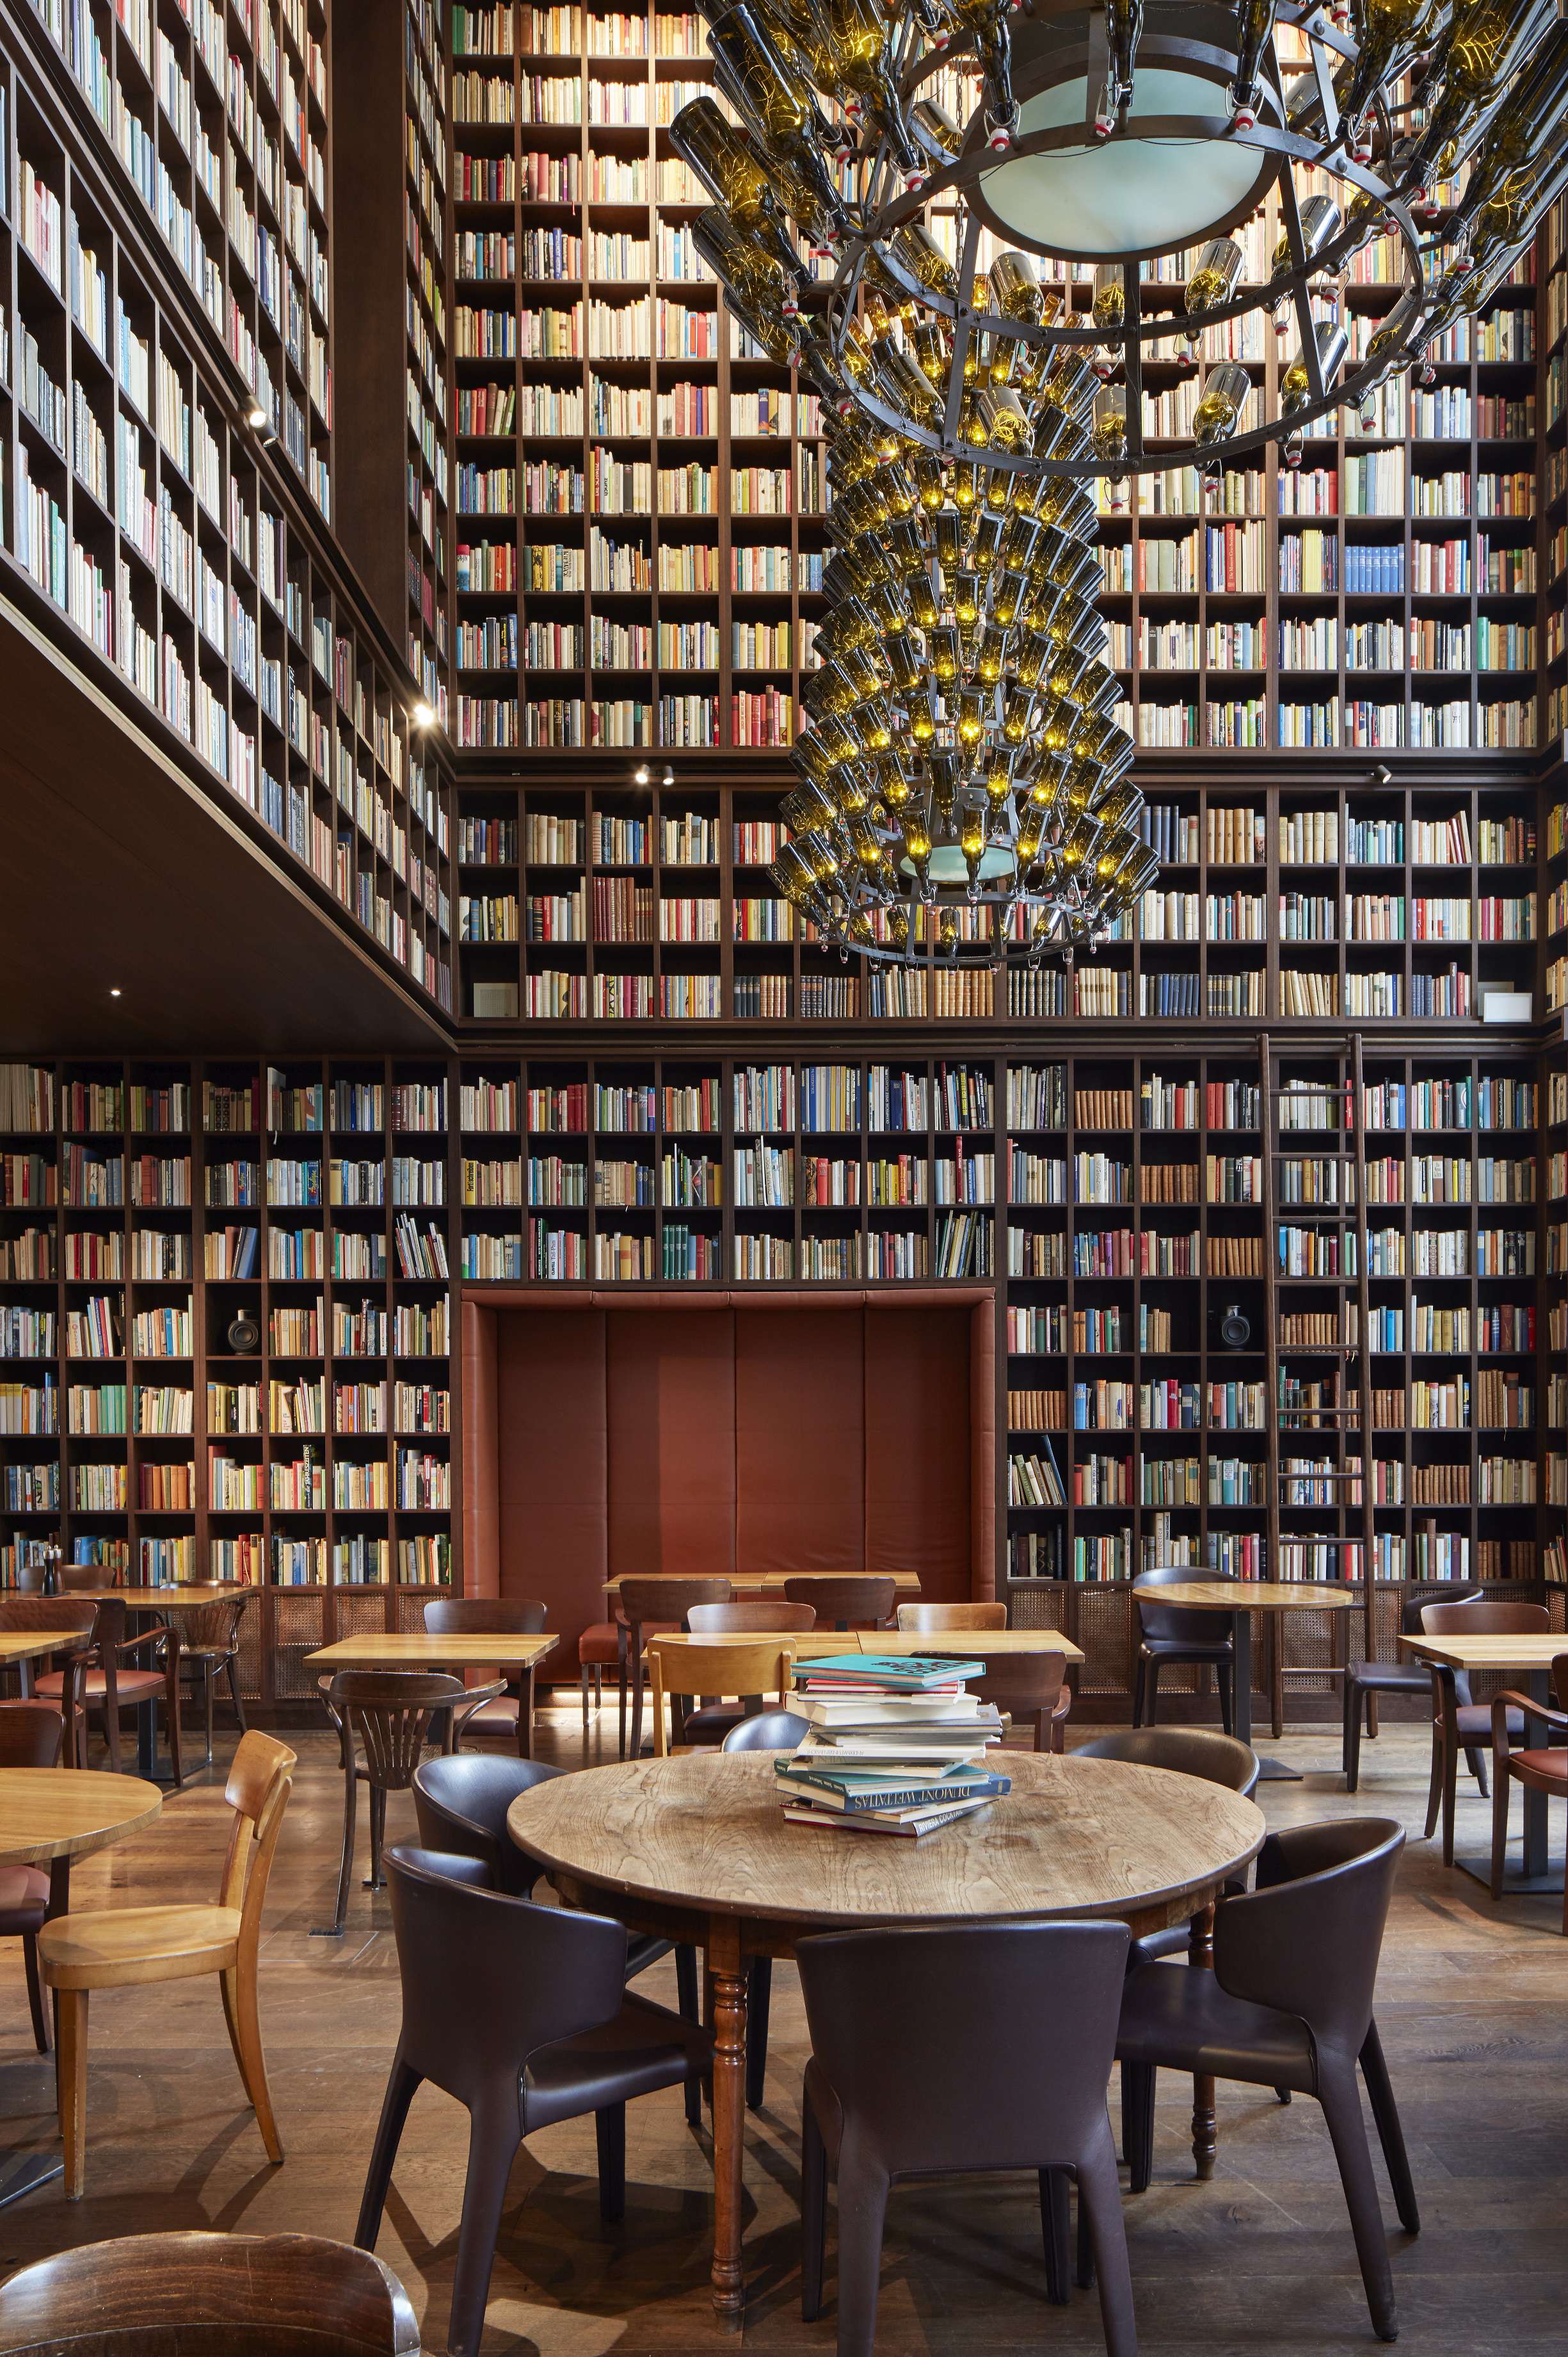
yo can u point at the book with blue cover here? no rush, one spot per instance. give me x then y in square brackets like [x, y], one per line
[857, 1791]
[910, 1673]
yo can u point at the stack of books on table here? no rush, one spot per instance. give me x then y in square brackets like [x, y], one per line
[898, 1745]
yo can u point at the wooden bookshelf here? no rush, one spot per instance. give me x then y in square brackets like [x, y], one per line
[157, 535]
[215, 128]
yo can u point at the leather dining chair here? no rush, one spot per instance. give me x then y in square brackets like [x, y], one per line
[1365, 1682]
[710, 1721]
[845, 1600]
[382, 1720]
[1168, 1632]
[1459, 1724]
[936, 1619]
[768, 1730]
[113, 1680]
[645, 1608]
[510, 1616]
[1289, 2004]
[22, 1615]
[1542, 1768]
[198, 2295]
[30, 1735]
[1020, 2085]
[545, 2032]
[123, 1947]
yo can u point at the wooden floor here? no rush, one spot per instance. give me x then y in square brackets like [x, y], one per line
[1474, 2010]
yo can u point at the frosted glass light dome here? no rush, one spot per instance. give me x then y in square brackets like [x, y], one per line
[947, 865]
[1125, 195]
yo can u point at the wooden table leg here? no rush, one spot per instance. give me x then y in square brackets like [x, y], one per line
[525, 1714]
[729, 1970]
[1200, 1958]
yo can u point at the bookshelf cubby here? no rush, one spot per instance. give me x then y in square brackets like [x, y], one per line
[215, 125]
[155, 535]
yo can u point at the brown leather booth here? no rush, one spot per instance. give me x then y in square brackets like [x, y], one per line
[724, 1432]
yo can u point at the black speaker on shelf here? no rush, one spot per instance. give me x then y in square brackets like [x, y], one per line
[1235, 1327]
[244, 1335]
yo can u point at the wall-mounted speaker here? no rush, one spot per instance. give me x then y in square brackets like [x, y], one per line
[244, 1336]
[1235, 1327]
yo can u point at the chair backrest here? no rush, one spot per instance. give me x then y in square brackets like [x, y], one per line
[640, 1599]
[934, 1617]
[1484, 1620]
[506, 1616]
[212, 1628]
[1021, 1681]
[842, 1598]
[1307, 1939]
[461, 1798]
[1183, 1750]
[72, 1576]
[747, 1612]
[261, 1778]
[24, 1614]
[528, 1975]
[30, 1734]
[775, 1730]
[1174, 1623]
[939, 2048]
[758, 1668]
[33, 1578]
[195, 2294]
[1418, 1598]
[392, 1709]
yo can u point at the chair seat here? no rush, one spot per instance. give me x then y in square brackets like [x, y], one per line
[23, 1895]
[1390, 1678]
[1184, 2020]
[1183, 1648]
[599, 1643]
[712, 1722]
[497, 1716]
[645, 2047]
[1475, 1721]
[1548, 1767]
[129, 1685]
[118, 1946]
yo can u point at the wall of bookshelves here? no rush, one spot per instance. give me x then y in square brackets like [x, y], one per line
[427, 265]
[146, 525]
[214, 124]
[1377, 903]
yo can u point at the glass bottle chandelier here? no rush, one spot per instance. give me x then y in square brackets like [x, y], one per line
[962, 752]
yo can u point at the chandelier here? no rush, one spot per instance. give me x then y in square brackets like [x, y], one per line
[962, 752]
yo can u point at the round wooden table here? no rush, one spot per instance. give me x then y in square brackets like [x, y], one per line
[47, 1816]
[1241, 1598]
[697, 1849]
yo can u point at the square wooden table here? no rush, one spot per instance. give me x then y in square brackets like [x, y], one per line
[1528, 1657]
[476, 1649]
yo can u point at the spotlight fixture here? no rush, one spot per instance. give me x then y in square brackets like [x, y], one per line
[257, 417]
[423, 715]
[642, 775]
[668, 777]
[1382, 775]
[113, 990]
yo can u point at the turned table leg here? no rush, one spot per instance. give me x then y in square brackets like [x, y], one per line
[729, 1970]
[1200, 1958]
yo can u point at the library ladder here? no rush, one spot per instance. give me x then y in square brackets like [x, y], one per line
[1326, 1139]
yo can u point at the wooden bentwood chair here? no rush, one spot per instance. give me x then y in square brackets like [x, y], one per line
[113, 1680]
[195, 2294]
[711, 1722]
[125, 1946]
[209, 1644]
[1541, 1769]
[652, 1608]
[751, 1669]
[1459, 1725]
[938, 1620]
[383, 1718]
[845, 1600]
[507, 1710]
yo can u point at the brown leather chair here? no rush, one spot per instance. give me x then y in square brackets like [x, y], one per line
[1170, 1633]
[938, 1618]
[1365, 1680]
[652, 1608]
[711, 1721]
[1542, 1768]
[544, 2031]
[1459, 1725]
[113, 1680]
[1021, 2086]
[22, 1615]
[1289, 2003]
[846, 1599]
[208, 1638]
[507, 1713]
[1031, 1689]
[195, 2294]
[30, 1735]
[390, 1712]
